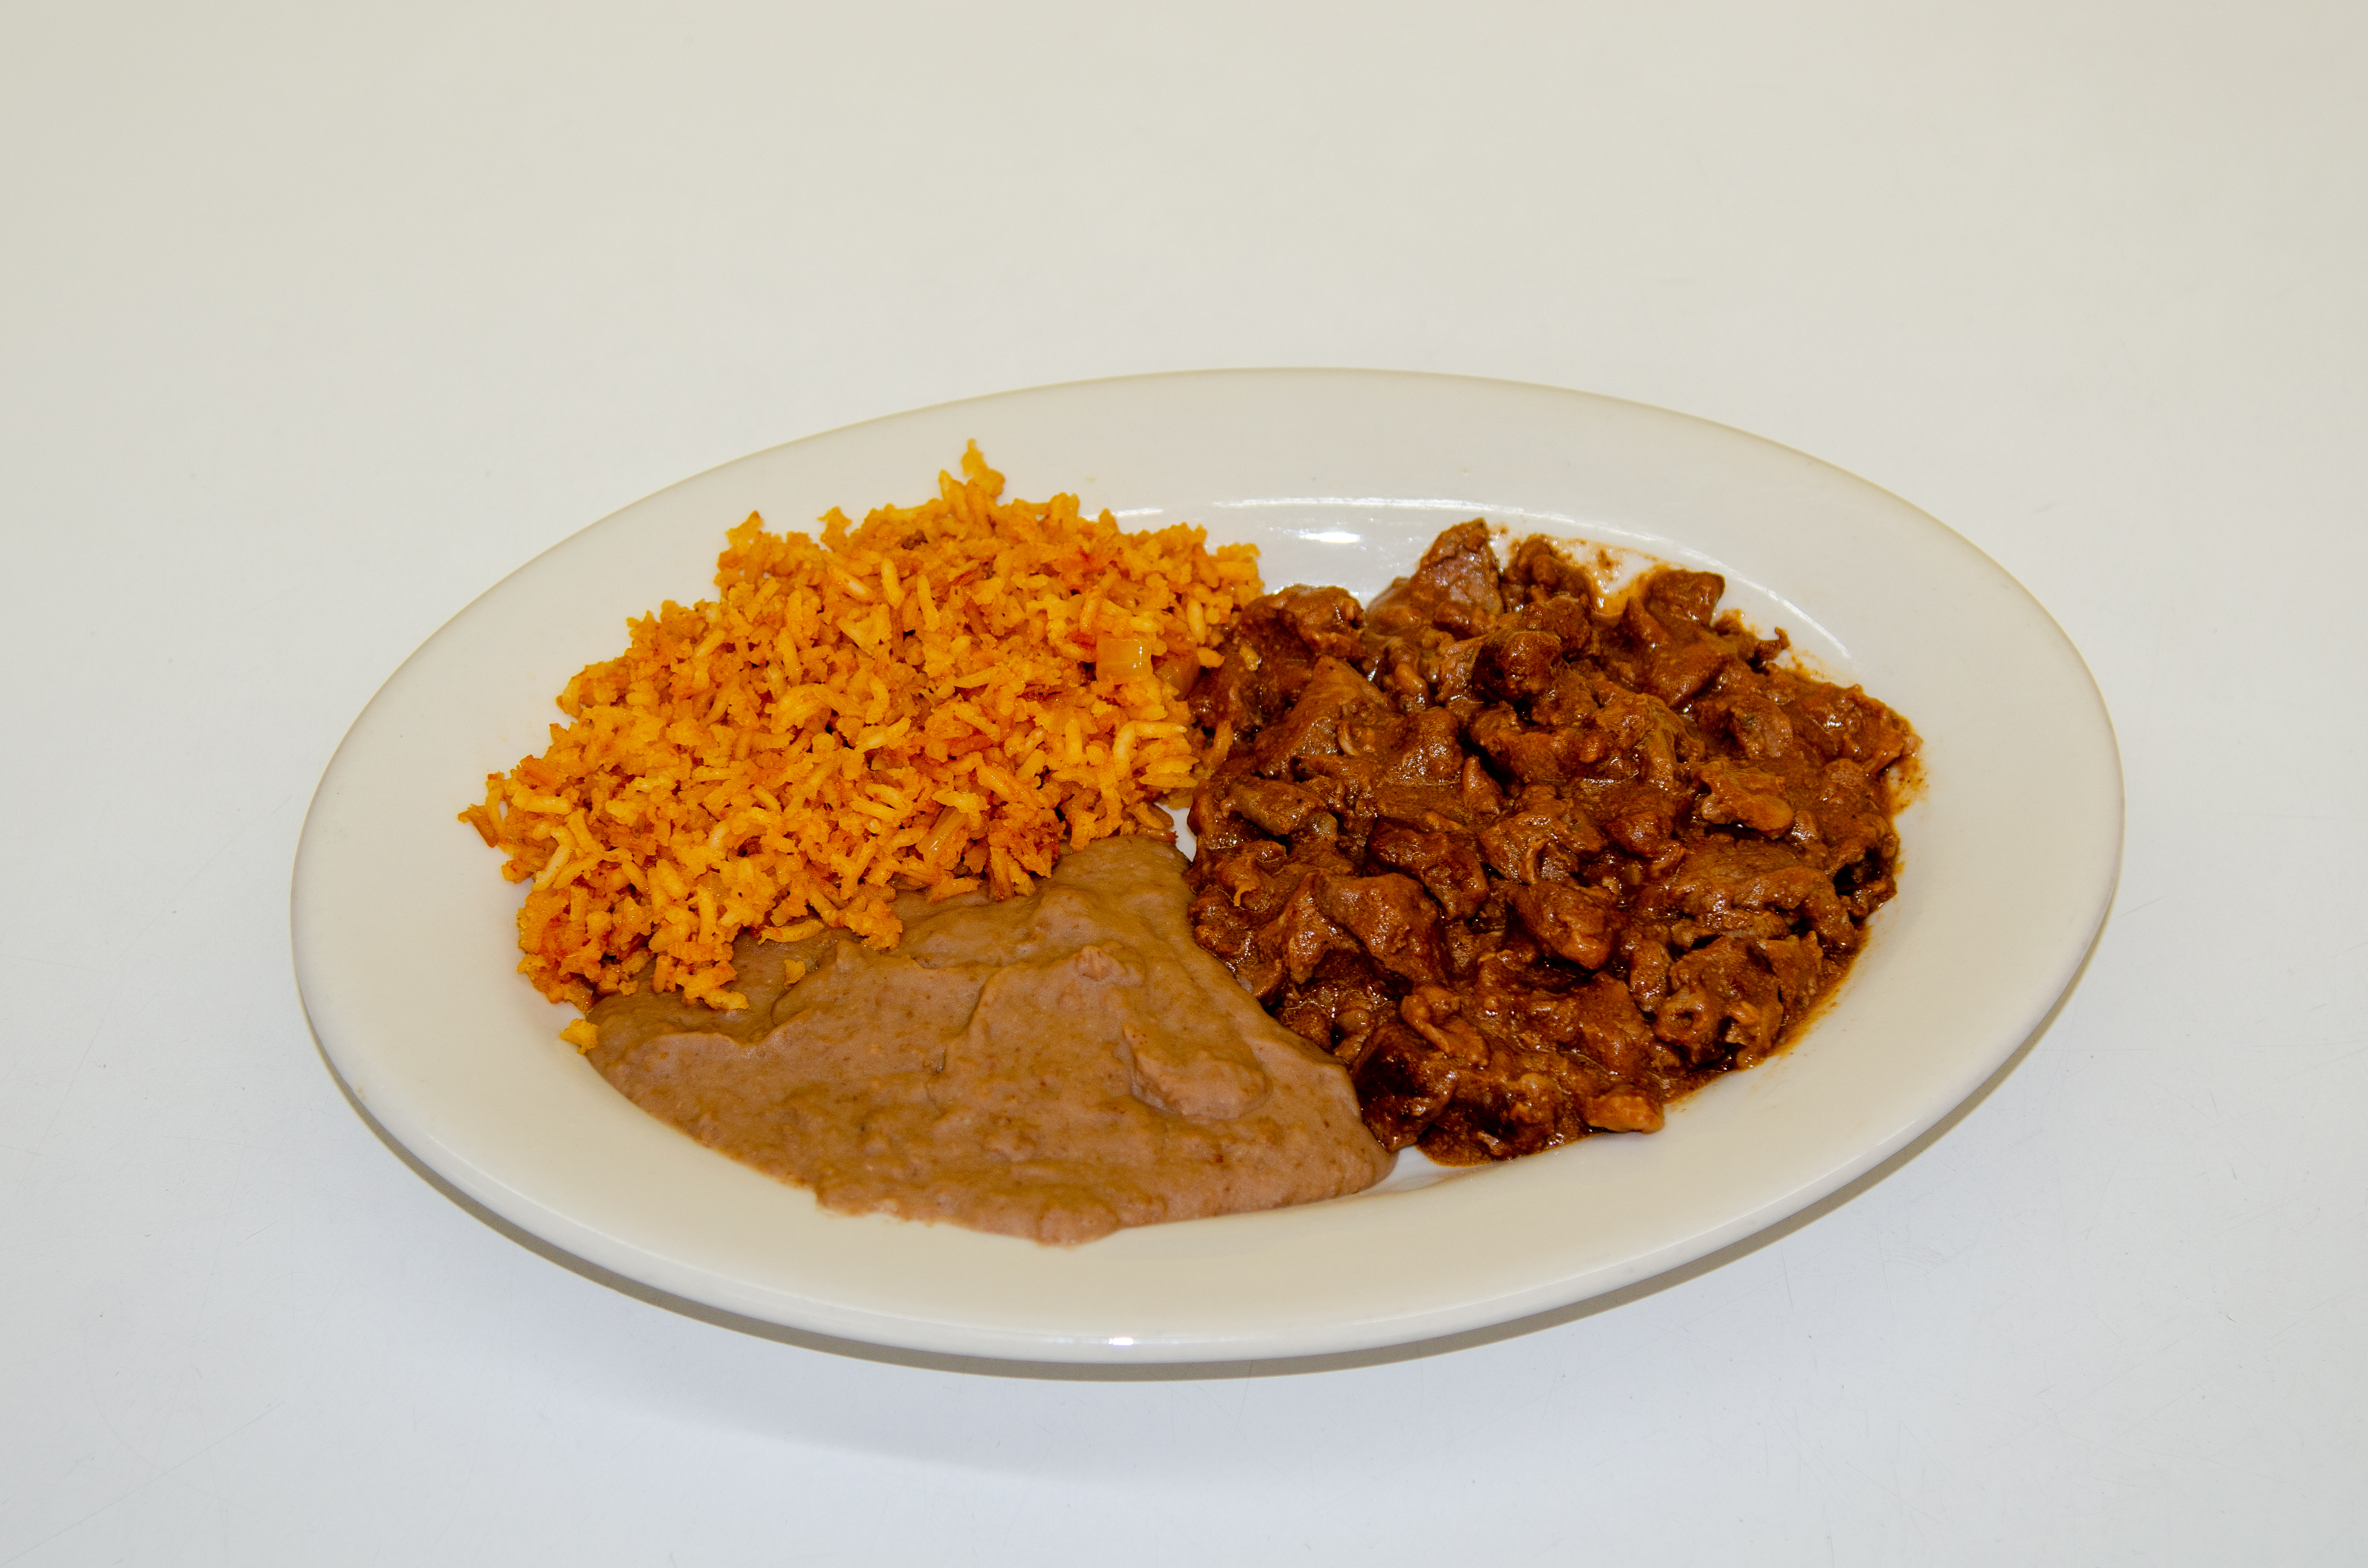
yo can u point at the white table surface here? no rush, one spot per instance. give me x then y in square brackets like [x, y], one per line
[313, 324]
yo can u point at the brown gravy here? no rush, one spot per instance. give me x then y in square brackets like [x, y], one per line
[1053, 1066]
[1534, 864]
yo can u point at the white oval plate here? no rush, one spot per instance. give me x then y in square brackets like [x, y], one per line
[404, 941]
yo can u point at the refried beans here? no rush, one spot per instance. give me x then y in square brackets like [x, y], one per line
[1053, 1066]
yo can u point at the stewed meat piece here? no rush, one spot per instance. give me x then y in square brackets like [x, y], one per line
[1532, 865]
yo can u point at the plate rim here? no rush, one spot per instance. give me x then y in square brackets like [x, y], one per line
[601, 1247]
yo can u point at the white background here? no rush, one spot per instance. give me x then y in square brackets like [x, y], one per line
[313, 325]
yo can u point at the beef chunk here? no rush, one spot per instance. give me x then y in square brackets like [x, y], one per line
[1326, 619]
[1455, 588]
[1678, 596]
[1332, 692]
[1533, 866]
[1447, 865]
[1516, 661]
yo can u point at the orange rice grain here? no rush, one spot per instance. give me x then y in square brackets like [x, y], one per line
[939, 699]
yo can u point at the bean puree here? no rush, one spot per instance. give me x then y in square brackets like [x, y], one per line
[1053, 1066]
